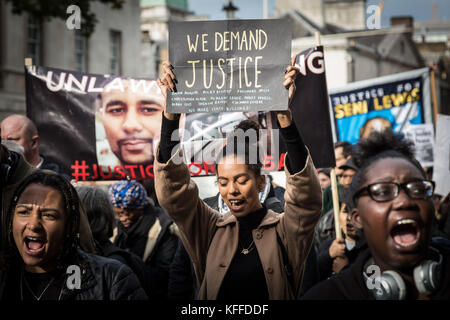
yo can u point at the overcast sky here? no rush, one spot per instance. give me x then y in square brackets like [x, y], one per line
[252, 9]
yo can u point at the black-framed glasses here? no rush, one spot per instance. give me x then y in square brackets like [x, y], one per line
[387, 191]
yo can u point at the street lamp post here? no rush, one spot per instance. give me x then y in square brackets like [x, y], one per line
[230, 9]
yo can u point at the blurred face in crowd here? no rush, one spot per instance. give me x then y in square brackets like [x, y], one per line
[238, 186]
[398, 231]
[39, 225]
[128, 216]
[14, 128]
[132, 121]
[346, 223]
[340, 159]
[347, 177]
[324, 180]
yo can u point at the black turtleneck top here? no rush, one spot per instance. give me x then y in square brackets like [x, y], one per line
[245, 277]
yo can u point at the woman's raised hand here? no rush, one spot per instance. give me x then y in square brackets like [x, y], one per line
[285, 117]
[167, 82]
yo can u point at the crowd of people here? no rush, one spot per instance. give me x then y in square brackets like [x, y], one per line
[253, 240]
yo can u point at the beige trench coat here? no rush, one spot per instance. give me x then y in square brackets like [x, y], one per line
[212, 240]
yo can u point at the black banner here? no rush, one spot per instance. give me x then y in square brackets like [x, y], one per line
[310, 107]
[229, 65]
[95, 127]
[101, 127]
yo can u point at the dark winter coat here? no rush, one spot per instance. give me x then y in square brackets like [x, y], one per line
[101, 279]
[324, 230]
[182, 284]
[350, 284]
[47, 165]
[154, 239]
[106, 249]
[325, 262]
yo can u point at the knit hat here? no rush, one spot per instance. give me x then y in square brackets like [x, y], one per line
[128, 195]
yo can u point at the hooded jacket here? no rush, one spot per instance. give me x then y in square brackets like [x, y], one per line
[212, 239]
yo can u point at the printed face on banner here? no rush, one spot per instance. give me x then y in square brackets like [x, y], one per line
[94, 126]
[131, 119]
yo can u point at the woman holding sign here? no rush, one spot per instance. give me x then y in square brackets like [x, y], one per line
[250, 252]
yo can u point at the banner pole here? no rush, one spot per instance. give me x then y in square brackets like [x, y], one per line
[334, 190]
[433, 92]
[318, 42]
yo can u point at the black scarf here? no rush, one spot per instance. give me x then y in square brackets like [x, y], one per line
[134, 238]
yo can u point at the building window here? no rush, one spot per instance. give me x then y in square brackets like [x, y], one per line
[115, 42]
[34, 40]
[80, 51]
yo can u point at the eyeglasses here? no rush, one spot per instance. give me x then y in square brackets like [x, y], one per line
[387, 191]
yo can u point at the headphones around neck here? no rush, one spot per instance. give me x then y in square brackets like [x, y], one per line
[391, 286]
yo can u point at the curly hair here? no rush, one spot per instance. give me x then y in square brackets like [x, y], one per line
[248, 129]
[381, 145]
[71, 203]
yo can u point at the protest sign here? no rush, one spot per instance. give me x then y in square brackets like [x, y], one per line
[396, 101]
[423, 137]
[441, 170]
[229, 66]
[95, 127]
[205, 133]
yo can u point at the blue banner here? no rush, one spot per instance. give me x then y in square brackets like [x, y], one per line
[395, 104]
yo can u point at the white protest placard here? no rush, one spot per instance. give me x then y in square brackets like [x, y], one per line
[441, 172]
[423, 137]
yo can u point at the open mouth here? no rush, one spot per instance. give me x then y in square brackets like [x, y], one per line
[236, 204]
[406, 233]
[34, 245]
[350, 227]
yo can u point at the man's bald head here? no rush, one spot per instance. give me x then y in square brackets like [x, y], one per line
[21, 130]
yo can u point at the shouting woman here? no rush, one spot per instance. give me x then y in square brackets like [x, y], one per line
[43, 260]
[394, 208]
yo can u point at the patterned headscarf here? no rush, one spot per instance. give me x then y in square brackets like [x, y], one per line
[128, 195]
